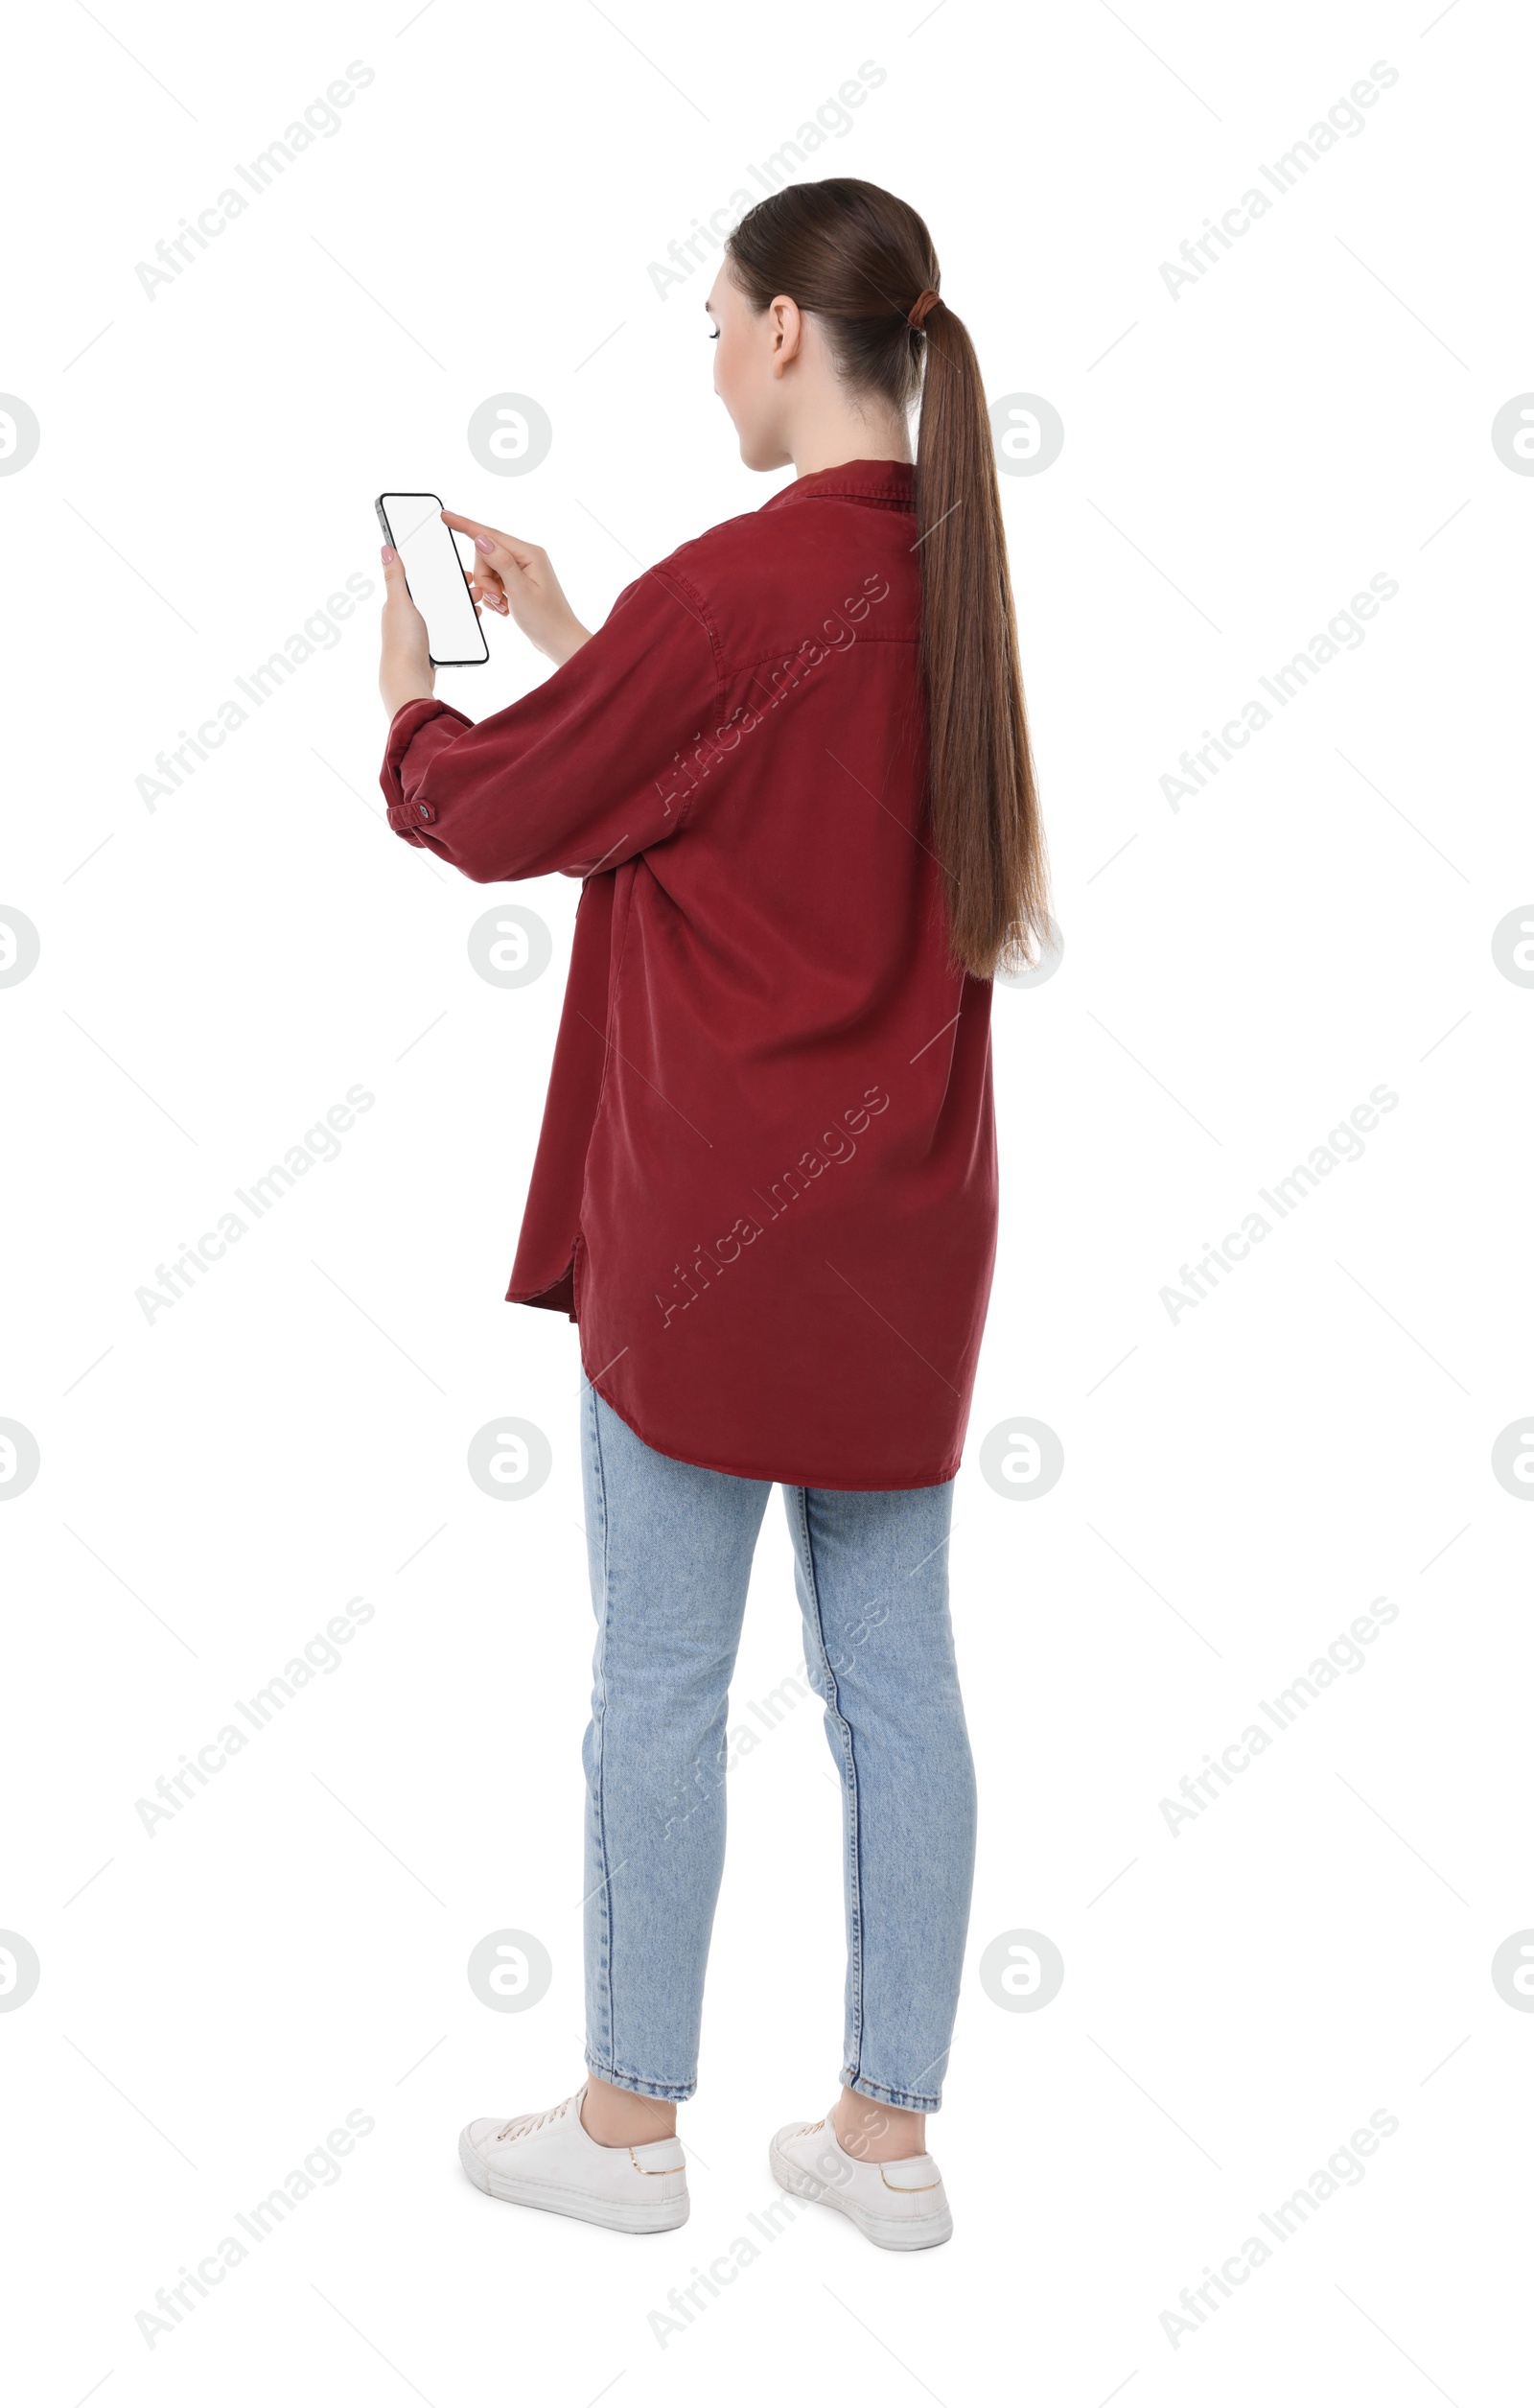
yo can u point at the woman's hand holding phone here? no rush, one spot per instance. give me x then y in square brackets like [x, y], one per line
[513, 578]
[405, 673]
[516, 580]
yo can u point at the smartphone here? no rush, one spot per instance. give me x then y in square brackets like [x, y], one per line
[439, 589]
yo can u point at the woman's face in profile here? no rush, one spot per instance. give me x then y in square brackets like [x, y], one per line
[751, 351]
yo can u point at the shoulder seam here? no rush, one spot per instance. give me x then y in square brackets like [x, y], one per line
[689, 595]
[696, 603]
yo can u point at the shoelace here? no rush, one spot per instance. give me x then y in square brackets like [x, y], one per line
[521, 2126]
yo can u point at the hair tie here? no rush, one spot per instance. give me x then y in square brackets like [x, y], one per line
[921, 308]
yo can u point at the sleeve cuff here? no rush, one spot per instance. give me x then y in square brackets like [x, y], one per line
[404, 726]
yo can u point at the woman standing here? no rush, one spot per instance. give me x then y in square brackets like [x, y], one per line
[792, 772]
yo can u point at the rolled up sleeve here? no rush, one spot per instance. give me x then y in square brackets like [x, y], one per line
[589, 769]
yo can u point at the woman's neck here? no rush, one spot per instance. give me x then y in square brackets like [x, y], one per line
[833, 441]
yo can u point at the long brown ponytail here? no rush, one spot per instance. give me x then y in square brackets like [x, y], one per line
[862, 262]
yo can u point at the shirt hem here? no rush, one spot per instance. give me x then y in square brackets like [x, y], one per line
[783, 1479]
[553, 1296]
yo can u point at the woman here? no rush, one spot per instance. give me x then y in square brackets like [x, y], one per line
[792, 773]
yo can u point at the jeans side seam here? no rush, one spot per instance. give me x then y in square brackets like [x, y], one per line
[599, 1800]
[854, 1818]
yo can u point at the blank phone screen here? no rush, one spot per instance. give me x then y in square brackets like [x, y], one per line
[435, 576]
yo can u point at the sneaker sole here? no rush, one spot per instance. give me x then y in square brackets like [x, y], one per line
[663, 2217]
[883, 2232]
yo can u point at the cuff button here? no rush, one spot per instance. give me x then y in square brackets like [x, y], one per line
[425, 811]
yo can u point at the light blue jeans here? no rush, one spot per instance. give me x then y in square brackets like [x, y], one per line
[670, 1550]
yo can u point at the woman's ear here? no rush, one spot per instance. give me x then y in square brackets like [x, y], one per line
[787, 322]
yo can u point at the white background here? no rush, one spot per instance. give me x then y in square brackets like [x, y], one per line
[1238, 1484]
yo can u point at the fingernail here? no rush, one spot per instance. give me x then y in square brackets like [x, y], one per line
[483, 543]
[387, 553]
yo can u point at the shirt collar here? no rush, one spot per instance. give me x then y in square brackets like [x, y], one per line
[856, 480]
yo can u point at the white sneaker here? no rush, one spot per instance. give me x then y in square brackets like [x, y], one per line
[902, 2206]
[550, 2160]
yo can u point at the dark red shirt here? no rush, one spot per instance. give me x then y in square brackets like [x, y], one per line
[766, 1185]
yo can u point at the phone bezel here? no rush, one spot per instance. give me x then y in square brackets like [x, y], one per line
[401, 494]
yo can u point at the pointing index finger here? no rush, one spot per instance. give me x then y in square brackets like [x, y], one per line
[472, 527]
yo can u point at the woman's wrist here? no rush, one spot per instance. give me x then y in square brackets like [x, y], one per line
[399, 686]
[568, 639]
[405, 672]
